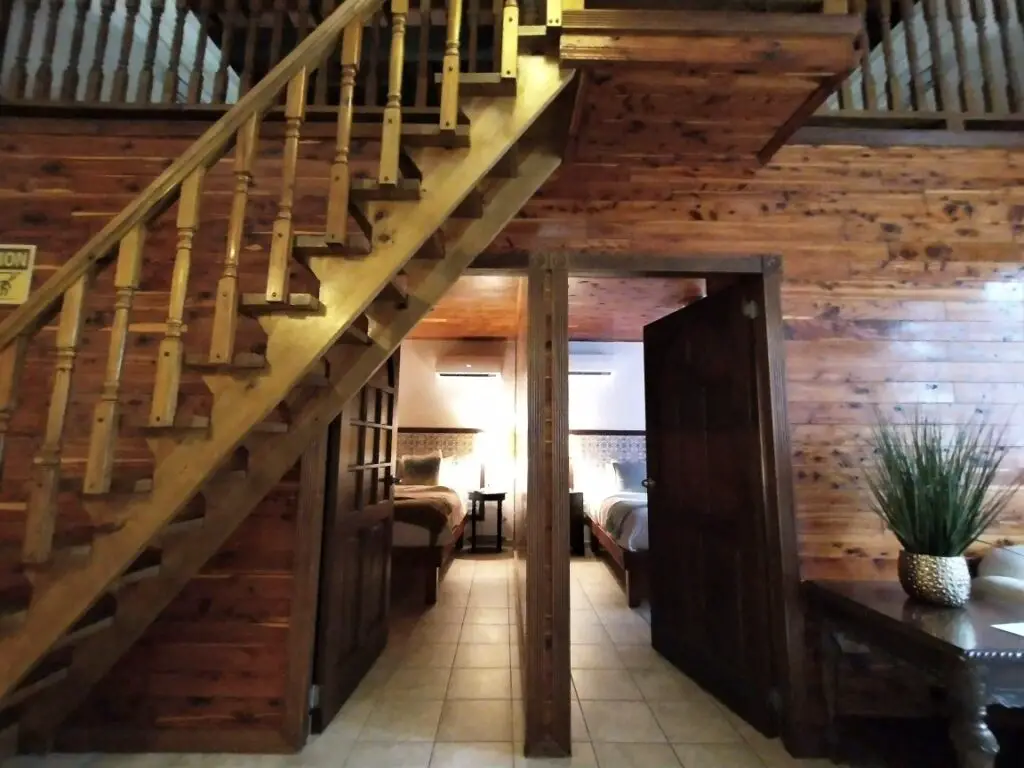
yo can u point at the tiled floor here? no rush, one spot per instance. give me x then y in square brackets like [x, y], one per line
[446, 694]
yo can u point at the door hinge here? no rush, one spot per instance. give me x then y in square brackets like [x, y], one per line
[314, 696]
[750, 310]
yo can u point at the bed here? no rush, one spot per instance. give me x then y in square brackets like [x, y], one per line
[616, 513]
[429, 522]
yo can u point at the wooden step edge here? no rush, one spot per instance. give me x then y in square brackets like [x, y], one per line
[245, 363]
[98, 618]
[472, 207]
[145, 566]
[193, 516]
[359, 330]
[118, 486]
[51, 670]
[483, 84]
[305, 247]
[15, 599]
[370, 190]
[395, 291]
[255, 304]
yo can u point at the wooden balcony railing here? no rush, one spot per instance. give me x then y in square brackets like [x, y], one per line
[205, 54]
[938, 63]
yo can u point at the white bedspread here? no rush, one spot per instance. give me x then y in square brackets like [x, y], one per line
[624, 516]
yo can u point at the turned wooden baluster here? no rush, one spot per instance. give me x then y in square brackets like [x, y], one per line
[12, 363]
[391, 136]
[94, 82]
[450, 69]
[195, 82]
[253, 11]
[473, 44]
[945, 101]
[281, 239]
[168, 366]
[171, 78]
[423, 56]
[99, 468]
[893, 92]
[42, 503]
[918, 93]
[119, 92]
[225, 314]
[220, 82]
[341, 181]
[867, 77]
[144, 92]
[44, 74]
[510, 41]
[969, 100]
[1014, 87]
[994, 98]
[18, 81]
[69, 80]
[277, 35]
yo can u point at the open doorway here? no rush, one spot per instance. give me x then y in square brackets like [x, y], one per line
[677, 433]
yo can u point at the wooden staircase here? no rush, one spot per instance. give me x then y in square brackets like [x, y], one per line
[103, 554]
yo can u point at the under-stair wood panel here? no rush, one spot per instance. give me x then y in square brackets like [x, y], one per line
[701, 88]
[270, 457]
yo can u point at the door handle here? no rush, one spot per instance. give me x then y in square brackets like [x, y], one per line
[647, 482]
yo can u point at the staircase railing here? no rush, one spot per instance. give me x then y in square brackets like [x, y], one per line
[941, 63]
[123, 241]
[206, 54]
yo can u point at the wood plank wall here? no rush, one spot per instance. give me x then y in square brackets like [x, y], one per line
[211, 673]
[903, 287]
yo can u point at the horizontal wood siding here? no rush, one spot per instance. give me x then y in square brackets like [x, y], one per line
[903, 287]
[211, 672]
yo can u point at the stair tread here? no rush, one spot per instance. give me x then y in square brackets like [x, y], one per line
[242, 362]
[367, 190]
[259, 304]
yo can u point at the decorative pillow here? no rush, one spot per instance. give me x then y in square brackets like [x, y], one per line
[420, 470]
[631, 475]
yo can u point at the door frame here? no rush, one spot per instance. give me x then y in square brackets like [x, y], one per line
[787, 616]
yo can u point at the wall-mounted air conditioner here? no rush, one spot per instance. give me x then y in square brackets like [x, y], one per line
[586, 359]
[471, 360]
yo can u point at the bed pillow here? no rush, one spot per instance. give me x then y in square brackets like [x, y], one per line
[420, 470]
[631, 475]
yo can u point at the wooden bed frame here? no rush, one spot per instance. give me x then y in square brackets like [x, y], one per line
[427, 564]
[631, 568]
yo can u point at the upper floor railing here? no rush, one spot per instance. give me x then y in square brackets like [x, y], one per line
[949, 63]
[192, 54]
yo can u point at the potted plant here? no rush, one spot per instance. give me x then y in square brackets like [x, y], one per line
[932, 487]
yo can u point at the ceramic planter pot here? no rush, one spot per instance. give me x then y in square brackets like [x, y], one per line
[944, 581]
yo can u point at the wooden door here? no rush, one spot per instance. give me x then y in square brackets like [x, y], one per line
[355, 576]
[710, 582]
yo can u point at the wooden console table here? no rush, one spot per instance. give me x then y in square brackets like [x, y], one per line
[958, 648]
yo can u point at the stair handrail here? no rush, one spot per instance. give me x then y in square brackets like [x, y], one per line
[207, 149]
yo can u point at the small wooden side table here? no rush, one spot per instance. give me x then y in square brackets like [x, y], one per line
[478, 503]
[576, 523]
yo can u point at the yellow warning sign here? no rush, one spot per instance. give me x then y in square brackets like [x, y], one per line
[16, 263]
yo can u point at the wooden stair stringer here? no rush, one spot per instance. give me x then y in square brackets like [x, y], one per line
[295, 344]
[229, 500]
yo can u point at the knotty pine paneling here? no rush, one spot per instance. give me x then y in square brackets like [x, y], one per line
[214, 666]
[904, 287]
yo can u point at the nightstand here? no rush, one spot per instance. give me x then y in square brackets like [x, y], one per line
[477, 504]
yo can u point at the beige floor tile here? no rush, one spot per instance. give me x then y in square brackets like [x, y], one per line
[635, 755]
[607, 684]
[518, 723]
[641, 656]
[621, 632]
[469, 683]
[417, 683]
[483, 655]
[324, 749]
[582, 757]
[621, 721]
[588, 634]
[389, 755]
[667, 685]
[486, 633]
[434, 633]
[445, 614]
[716, 756]
[349, 721]
[585, 617]
[431, 655]
[686, 723]
[595, 657]
[517, 683]
[491, 754]
[402, 721]
[488, 616]
[578, 731]
[476, 721]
